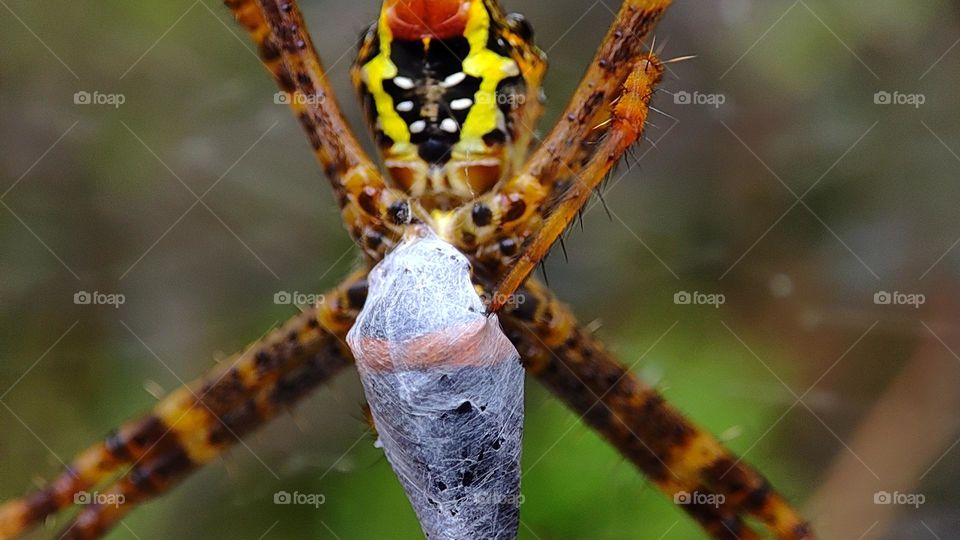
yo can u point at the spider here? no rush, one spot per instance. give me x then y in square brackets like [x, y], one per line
[452, 89]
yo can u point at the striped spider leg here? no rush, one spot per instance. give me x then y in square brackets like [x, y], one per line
[197, 423]
[151, 455]
[369, 208]
[667, 447]
[624, 128]
[604, 118]
[512, 229]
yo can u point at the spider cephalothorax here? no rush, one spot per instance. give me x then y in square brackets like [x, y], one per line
[450, 88]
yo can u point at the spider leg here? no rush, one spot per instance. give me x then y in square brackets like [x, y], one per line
[604, 117]
[674, 453]
[367, 204]
[197, 423]
[626, 125]
[300, 356]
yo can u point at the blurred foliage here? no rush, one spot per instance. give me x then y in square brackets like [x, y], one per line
[109, 208]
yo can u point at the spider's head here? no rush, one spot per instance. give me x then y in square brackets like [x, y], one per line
[451, 89]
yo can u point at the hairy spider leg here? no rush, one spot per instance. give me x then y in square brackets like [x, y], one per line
[493, 229]
[196, 423]
[668, 448]
[626, 125]
[307, 350]
[369, 208]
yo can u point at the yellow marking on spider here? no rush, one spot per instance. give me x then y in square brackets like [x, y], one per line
[376, 71]
[481, 62]
[444, 224]
[490, 68]
[190, 421]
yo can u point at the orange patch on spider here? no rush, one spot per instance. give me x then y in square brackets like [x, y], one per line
[632, 108]
[419, 19]
[479, 343]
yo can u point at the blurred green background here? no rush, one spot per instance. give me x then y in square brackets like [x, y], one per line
[779, 178]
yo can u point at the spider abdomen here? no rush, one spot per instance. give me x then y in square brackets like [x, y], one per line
[445, 388]
[445, 86]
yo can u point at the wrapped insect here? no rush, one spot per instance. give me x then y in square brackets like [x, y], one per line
[445, 387]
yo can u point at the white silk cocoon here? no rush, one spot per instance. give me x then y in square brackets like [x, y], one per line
[445, 387]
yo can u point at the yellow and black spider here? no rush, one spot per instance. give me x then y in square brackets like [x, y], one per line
[452, 89]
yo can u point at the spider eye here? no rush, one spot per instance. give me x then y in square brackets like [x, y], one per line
[519, 24]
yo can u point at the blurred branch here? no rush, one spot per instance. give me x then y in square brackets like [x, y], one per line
[906, 434]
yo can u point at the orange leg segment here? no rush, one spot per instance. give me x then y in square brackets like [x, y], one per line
[368, 206]
[598, 125]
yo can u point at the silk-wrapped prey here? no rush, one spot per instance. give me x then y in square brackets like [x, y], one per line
[445, 388]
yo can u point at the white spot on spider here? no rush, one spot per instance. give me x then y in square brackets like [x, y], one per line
[454, 79]
[403, 83]
[511, 69]
[449, 125]
[405, 106]
[418, 126]
[461, 104]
